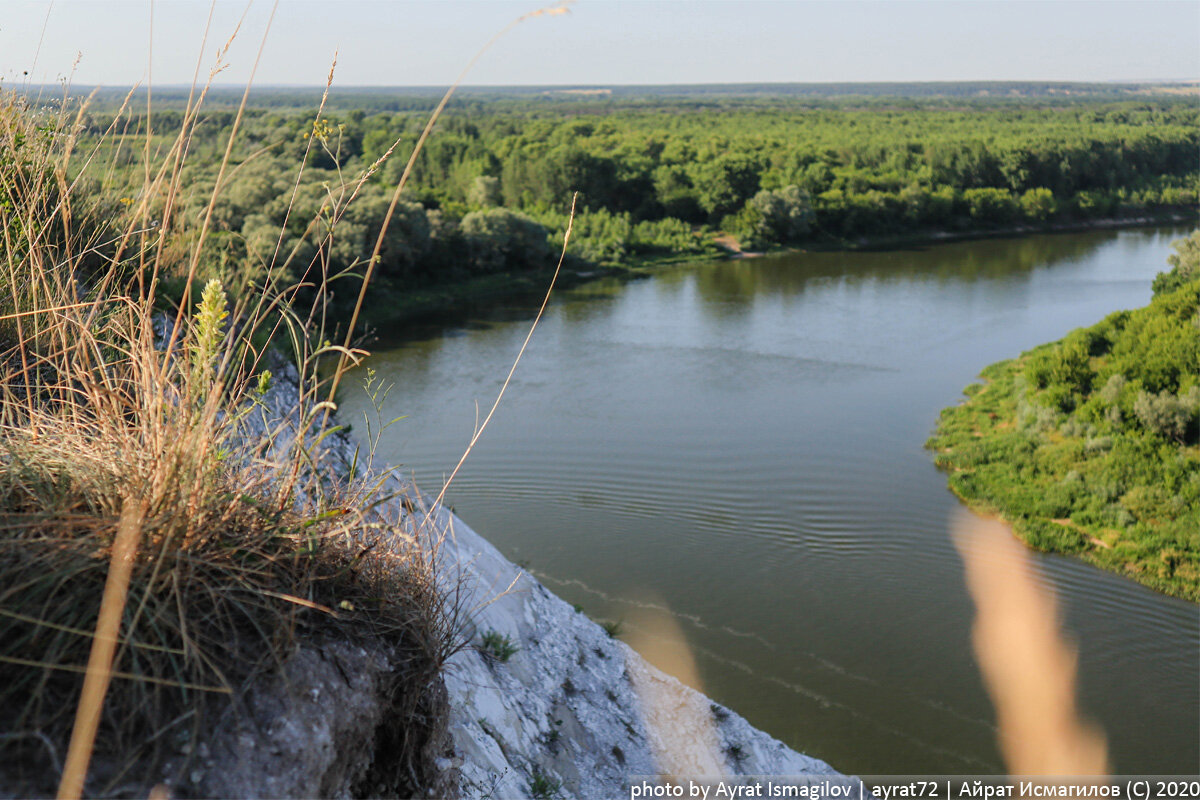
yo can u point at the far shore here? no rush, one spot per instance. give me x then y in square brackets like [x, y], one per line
[417, 308]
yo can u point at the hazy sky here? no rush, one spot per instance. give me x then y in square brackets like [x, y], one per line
[604, 41]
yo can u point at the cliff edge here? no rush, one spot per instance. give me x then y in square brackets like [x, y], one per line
[570, 711]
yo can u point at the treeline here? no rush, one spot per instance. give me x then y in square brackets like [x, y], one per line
[609, 99]
[491, 188]
[1091, 445]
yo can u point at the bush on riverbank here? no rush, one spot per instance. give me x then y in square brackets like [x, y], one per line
[1091, 445]
[129, 436]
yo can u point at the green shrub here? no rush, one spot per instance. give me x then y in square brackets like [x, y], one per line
[502, 239]
[1111, 392]
[669, 234]
[498, 646]
[990, 205]
[1092, 203]
[783, 215]
[542, 787]
[1165, 414]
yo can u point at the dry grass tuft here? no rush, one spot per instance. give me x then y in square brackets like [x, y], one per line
[168, 533]
[243, 539]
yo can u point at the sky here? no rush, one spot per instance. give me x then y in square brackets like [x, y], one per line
[599, 42]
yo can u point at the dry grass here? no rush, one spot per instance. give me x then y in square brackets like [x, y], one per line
[238, 539]
[165, 537]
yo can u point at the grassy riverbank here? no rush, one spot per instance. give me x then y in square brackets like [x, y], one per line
[1091, 445]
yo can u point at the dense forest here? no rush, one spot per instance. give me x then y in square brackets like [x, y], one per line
[490, 190]
[1091, 445]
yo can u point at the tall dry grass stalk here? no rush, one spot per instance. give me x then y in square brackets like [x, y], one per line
[683, 738]
[164, 535]
[99, 668]
[555, 10]
[1028, 669]
[245, 537]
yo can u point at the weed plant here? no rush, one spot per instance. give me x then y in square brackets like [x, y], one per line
[543, 787]
[498, 646]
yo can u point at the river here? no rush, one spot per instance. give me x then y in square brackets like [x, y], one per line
[742, 443]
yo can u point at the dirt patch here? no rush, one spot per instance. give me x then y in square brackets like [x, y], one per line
[729, 243]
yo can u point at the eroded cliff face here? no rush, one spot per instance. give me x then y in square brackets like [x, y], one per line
[574, 708]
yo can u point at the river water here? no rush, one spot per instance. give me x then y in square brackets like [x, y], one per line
[742, 443]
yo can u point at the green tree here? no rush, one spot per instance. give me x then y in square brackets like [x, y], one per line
[1185, 265]
[485, 192]
[725, 184]
[1038, 204]
[990, 205]
[784, 215]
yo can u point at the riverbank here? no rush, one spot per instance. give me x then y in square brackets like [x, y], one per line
[1138, 219]
[563, 708]
[391, 311]
[991, 411]
[1090, 445]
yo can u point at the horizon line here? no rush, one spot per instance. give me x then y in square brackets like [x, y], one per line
[561, 86]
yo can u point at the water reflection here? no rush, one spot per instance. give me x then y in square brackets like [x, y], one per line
[722, 285]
